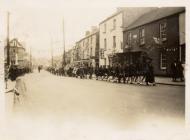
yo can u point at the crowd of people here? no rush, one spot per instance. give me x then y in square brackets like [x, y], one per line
[133, 73]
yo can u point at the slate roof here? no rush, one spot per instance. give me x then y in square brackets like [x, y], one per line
[155, 15]
[113, 15]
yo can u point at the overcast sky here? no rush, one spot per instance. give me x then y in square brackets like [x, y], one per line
[36, 22]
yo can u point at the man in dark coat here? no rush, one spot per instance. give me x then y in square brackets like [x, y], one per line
[174, 71]
[150, 73]
[180, 71]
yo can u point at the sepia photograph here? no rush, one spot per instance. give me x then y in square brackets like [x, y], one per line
[93, 71]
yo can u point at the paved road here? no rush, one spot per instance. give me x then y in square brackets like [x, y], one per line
[115, 103]
[78, 102]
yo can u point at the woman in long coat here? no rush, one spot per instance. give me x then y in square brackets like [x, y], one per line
[150, 78]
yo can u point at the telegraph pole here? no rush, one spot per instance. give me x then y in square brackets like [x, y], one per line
[8, 46]
[63, 64]
[30, 60]
[51, 52]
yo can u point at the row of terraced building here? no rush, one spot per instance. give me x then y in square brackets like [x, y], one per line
[133, 34]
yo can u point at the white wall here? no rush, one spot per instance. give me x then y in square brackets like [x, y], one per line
[108, 35]
[123, 19]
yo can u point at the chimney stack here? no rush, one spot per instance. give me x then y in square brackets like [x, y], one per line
[87, 33]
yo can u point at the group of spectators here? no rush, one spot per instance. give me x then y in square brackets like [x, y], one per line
[13, 71]
[177, 71]
[134, 73]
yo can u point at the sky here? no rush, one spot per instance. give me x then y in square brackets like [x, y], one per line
[39, 23]
[41, 28]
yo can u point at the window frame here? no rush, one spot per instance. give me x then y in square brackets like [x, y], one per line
[129, 39]
[114, 24]
[114, 42]
[163, 67]
[105, 44]
[142, 36]
[163, 31]
[105, 28]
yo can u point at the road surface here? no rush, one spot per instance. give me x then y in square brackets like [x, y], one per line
[64, 105]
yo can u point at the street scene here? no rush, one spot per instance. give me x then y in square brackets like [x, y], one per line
[122, 72]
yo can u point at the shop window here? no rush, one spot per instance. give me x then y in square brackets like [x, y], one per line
[163, 35]
[163, 61]
[142, 36]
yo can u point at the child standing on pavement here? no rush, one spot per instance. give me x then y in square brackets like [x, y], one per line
[19, 89]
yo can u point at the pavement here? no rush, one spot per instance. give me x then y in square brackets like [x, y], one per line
[168, 81]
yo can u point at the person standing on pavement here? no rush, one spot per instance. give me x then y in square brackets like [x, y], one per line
[20, 86]
[131, 73]
[137, 72]
[120, 73]
[123, 73]
[117, 73]
[97, 72]
[180, 71]
[150, 78]
[127, 72]
[90, 71]
[174, 70]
